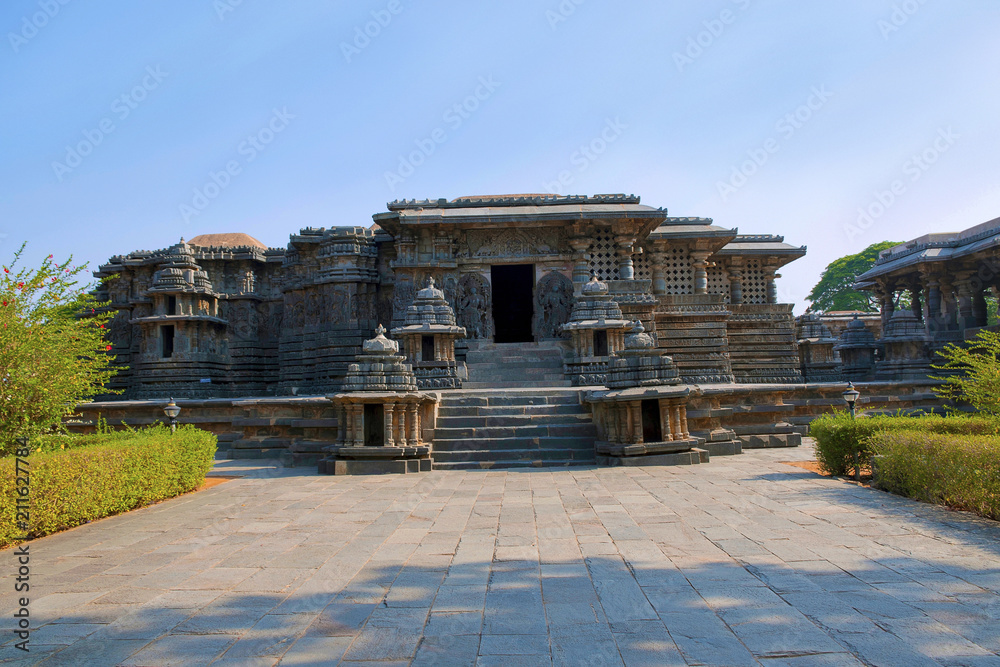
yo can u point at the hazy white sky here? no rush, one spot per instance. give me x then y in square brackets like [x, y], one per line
[128, 125]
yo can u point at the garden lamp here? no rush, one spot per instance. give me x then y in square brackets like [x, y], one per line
[171, 411]
[851, 397]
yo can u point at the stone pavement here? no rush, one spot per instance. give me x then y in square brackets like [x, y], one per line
[742, 561]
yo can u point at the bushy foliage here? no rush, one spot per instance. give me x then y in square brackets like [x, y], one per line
[105, 474]
[977, 372]
[51, 357]
[962, 472]
[835, 289]
[838, 436]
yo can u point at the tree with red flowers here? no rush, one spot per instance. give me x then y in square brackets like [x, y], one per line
[53, 353]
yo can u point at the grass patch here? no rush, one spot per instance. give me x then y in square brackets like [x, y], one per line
[79, 479]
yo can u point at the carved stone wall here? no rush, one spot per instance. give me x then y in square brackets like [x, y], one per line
[475, 306]
[553, 304]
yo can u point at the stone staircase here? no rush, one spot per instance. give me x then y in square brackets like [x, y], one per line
[512, 429]
[515, 365]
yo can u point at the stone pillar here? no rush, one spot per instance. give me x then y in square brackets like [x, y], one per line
[979, 308]
[674, 425]
[414, 418]
[684, 422]
[659, 274]
[581, 260]
[772, 287]
[735, 286]
[388, 439]
[665, 426]
[341, 424]
[888, 305]
[401, 426]
[700, 263]
[949, 304]
[625, 268]
[915, 306]
[358, 424]
[964, 289]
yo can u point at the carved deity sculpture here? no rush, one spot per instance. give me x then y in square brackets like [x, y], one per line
[474, 306]
[554, 303]
[249, 283]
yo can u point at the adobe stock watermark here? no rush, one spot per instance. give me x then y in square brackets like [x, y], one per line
[900, 16]
[454, 117]
[786, 127]
[714, 29]
[122, 107]
[562, 12]
[587, 154]
[913, 169]
[248, 149]
[223, 7]
[30, 25]
[363, 35]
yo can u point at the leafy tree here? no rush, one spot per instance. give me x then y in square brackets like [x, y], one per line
[834, 291]
[53, 354]
[976, 368]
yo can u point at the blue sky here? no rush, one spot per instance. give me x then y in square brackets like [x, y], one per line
[774, 117]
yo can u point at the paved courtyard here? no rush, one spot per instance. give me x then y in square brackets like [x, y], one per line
[743, 561]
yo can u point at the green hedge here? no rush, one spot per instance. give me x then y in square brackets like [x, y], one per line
[838, 436]
[962, 472]
[105, 474]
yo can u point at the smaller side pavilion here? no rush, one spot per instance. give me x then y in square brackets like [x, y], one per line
[380, 415]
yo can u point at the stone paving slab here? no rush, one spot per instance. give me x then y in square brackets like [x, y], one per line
[744, 561]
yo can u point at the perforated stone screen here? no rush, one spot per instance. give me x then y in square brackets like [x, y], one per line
[754, 283]
[603, 262]
[718, 282]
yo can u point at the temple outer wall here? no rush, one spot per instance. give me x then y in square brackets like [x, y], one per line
[295, 429]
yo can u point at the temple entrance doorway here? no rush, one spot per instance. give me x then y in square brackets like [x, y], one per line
[513, 302]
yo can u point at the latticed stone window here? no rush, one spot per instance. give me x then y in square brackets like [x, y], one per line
[642, 266]
[718, 282]
[754, 283]
[677, 271]
[603, 261]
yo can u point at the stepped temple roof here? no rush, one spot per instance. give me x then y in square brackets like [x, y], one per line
[231, 240]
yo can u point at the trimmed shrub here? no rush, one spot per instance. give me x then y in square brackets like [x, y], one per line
[838, 436]
[962, 472]
[104, 474]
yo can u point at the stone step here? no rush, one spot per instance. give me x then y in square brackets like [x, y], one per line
[504, 410]
[506, 455]
[539, 431]
[508, 398]
[514, 442]
[503, 465]
[513, 420]
[516, 385]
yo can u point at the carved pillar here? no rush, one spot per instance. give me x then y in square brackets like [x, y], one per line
[684, 421]
[659, 274]
[358, 423]
[413, 415]
[915, 306]
[341, 424]
[700, 263]
[388, 439]
[735, 286]
[964, 289]
[401, 426]
[949, 304]
[772, 287]
[635, 417]
[979, 308]
[885, 293]
[625, 268]
[666, 428]
[581, 260]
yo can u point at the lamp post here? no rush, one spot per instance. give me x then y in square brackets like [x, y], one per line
[172, 410]
[851, 397]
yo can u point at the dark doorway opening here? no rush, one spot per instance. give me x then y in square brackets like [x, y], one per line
[651, 431]
[167, 341]
[427, 348]
[374, 425]
[513, 302]
[171, 305]
[600, 343]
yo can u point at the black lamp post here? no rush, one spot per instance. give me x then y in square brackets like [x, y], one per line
[851, 397]
[171, 411]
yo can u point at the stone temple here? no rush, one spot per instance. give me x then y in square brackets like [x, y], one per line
[514, 325]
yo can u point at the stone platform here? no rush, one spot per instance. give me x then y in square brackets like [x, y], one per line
[747, 561]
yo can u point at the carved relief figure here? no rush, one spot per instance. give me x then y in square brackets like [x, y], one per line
[313, 309]
[553, 303]
[474, 306]
[249, 283]
[402, 299]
